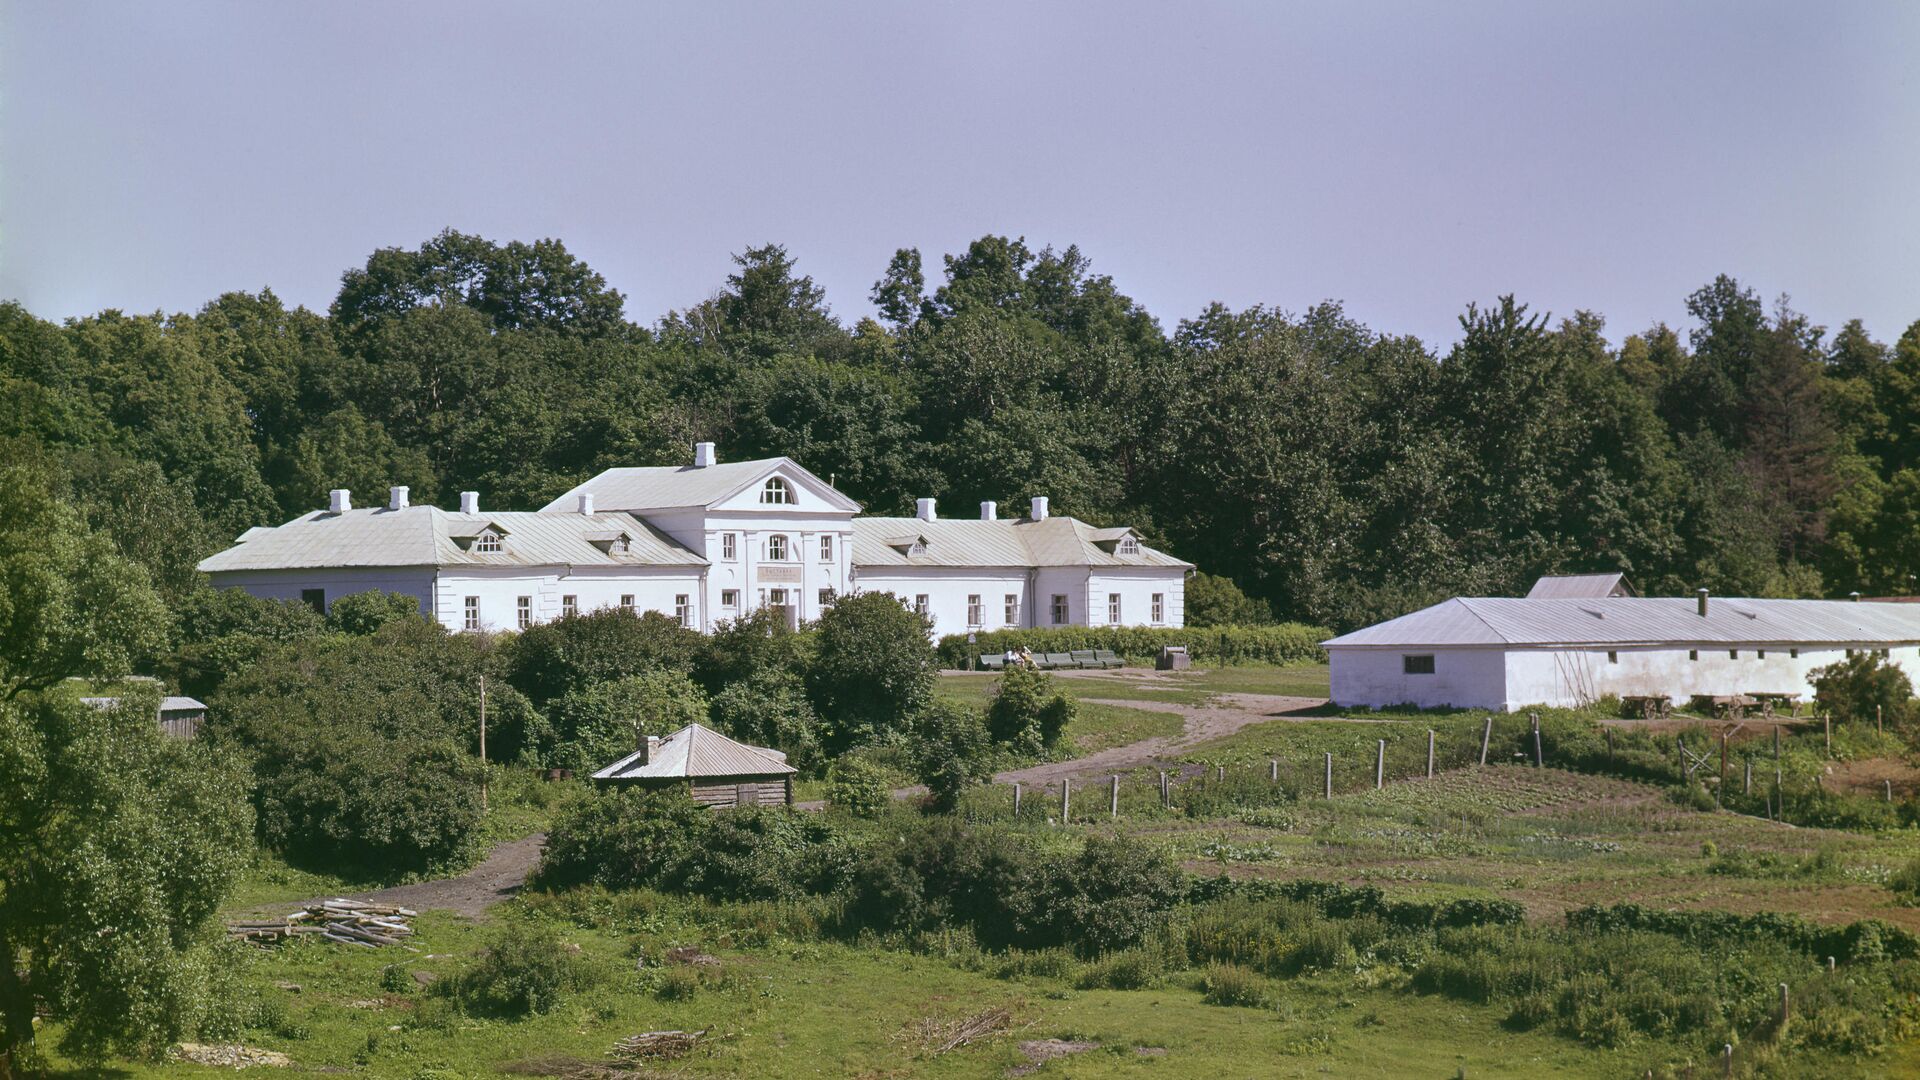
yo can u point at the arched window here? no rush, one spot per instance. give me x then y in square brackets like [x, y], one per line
[1129, 546]
[777, 548]
[777, 492]
[487, 543]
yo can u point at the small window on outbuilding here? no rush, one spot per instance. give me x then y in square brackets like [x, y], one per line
[1612, 657]
[1733, 654]
[315, 599]
[1793, 654]
[1693, 654]
[1760, 654]
[1417, 665]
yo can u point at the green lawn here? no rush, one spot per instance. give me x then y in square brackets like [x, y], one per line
[810, 1008]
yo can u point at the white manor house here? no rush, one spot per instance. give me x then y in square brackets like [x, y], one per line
[706, 543]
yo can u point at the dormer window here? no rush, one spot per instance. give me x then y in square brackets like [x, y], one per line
[777, 492]
[1129, 546]
[487, 543]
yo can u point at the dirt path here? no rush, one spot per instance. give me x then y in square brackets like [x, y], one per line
[1224, 715]
[497, 878]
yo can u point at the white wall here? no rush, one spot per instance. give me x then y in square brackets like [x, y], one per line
[947, 590]
[1375, 678]
[499, 590]
[1137, 588]
[803, 573]
[1512, 679]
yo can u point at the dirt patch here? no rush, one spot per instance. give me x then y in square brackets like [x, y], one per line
[1224, 715]
[498, 877]
[1040, 1051]
[1871, 777]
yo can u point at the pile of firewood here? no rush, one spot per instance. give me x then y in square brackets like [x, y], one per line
[657, 1045]
[347, 921]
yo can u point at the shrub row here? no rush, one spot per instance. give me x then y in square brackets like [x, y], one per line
[1869, 939]
[1341, 901]
[1286, 643]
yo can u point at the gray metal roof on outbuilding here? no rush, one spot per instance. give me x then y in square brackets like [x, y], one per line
[697, 751]
[425, 536]
[1607, 621]
[1579, 586]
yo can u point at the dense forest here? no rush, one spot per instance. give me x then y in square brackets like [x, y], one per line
[1336, 472]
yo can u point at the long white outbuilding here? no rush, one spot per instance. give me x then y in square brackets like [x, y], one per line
[1507, 653]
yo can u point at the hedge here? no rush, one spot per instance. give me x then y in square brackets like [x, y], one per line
[1284, 643]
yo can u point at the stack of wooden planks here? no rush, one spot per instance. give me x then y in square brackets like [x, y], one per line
[350, 922]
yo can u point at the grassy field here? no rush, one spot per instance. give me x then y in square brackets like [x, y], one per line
[781, 998]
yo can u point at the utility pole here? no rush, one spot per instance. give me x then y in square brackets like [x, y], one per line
[483, 744]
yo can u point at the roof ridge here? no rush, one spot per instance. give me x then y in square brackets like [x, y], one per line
[1465, 601]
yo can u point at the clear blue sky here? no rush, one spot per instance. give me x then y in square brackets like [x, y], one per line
[1403, 158]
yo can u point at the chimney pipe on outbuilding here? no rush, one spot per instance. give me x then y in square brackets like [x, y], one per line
[989, 511]
[1854, 596]
[586, 502]
[1039, 510]
[397, 498]
[339, 501]
[923, 509]
[703, 455]
[1701, 595]
[470, 502]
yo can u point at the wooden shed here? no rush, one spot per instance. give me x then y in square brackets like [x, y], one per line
[716, 770]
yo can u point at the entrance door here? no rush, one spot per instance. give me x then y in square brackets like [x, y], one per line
[781, 600]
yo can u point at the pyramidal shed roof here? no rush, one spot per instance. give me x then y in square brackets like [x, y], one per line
[697, 751]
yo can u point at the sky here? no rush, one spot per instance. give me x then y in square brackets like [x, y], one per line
[1404, 159]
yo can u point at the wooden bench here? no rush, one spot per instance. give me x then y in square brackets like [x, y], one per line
[1109, 658]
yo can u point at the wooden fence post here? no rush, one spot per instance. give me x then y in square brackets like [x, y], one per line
[1776, 742]
[1016, 798]
[1609, 746]
[1113, 796]
[1220, 773]
[1380, 767]
[1829, 965]
[1726, 1058]
[1748, 789]
[1539, 756]
[1066, 798]
[1877, 725]
[1486, 736]
[1166, 798]
[1723, 759]
[1827, 720]
[1329, 774]
[1785, 1006]
[1889, 791]
[1429, 753]
[1273, 770]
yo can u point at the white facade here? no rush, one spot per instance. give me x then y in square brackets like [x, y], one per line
[709, 543]
[1429, 659]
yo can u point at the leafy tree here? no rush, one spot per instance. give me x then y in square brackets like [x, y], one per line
[221, 631]
[516, 286]
[770, 708]
[70, 604]
[757, 643]
[858, 787]
[597, 725]
[366, 612]
[951, 751]
[550, 659]
[874, 669]
[117, 846]
[1863, 687]
[1212, 600]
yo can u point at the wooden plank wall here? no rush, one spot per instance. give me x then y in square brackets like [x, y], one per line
[748, 791]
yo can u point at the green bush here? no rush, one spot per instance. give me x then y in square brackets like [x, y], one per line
[366, 612]
[872, 669]
[951, 751]
[770, 708]
[1213, 600]
[1027, 711]
[1125, 969]
[1863, 687]
[547, 660]
[526, 970]
[1228, 984]
[598, 724]
[1286, 643]
[1905, 882]
[857, 787]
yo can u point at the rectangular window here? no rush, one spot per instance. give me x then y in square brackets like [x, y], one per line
[683, 609]
[826, 597]
[922, 607]
[826, 548]
[1733, 654]
[1059, 609]
[1113, 608]
[315, 599]
[524, 615]
[779, 598]
[1793, 654]
[1159, 608]
[1760, 655]
[569, 606]
[730, 598]
[473, 613]
[1693, 654]
[975, 613]
[777, 548]
[1013, 609]
[626, 602]
[1416, 665]
[1612, 657]
[729, 546]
